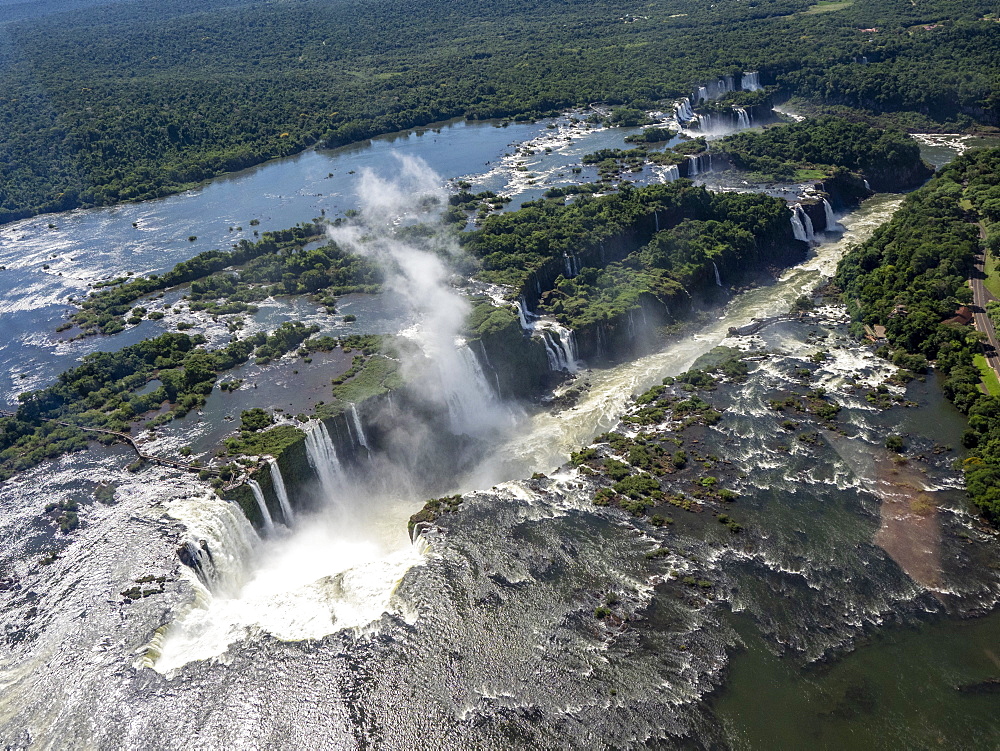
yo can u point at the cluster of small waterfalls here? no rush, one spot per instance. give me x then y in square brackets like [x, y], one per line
[739, 119]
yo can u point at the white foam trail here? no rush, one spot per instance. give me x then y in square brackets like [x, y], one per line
[358, 427]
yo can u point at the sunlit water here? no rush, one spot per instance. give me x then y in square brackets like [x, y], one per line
[340, 633]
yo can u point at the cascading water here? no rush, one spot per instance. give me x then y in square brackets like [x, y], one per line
[705, 123]
[750, 80]
[278, 482]
[358, 427]
[560, 347]
[466, 392]
[265, 513]
[692, 165]
[743, 118]
[831, 220]
[867, 186]
[670, 173]
[701, 94]
[718, 279]
[322, 456]
[802, 226]
[523, 313]
[798, 229]
[683, 112]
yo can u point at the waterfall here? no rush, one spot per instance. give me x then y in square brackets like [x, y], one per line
[670, 173]
[358, 428]
[571, 264]
[279, 490]
[466, 391]
[718, 279]
[705, 123]
[220, 542]
[322, 455]
[656, 218]
[867, 186]
[692, 165]
[682, 111]
[702, 94]
[750, 80]
[743, 118]
[522, 313]
[831, 221]
[808, 223]
[797, 228]
[560, 347]
[802, 225]
[258, 495]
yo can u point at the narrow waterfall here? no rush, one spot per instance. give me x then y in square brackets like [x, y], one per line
[279, 490]
[702, 93]
[692, 165]
[670, 173]
[867, 186]
[358, 427]
[743, 118]
[522, 313]
[718, 279]
[571, 265]
[750, 80]
[831, 220]
[656, 218]
[798, 229]
[808, 224]
[322, 455]
[258, 495]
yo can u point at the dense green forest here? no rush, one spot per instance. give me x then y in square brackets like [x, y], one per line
[697, 228]
[134, 100]
[890, 160]
[911, 275]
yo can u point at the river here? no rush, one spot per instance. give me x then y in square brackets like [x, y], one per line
[341, 634]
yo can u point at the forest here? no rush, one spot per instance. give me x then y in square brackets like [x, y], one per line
[135, 100]
[911, 276]
[889, 159]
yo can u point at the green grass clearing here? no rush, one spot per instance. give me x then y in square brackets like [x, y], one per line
[826, 6]
[990, 379]
[992, 280]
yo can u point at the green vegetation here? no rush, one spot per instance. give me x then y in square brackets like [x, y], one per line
[988, 375]
[735, 231]
[812, 149]
[277, 264]
[911, 276]
[268, 442]
[434, 509]
[102, 392]
[147, 98]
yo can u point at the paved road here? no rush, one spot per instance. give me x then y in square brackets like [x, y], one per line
[983, 322]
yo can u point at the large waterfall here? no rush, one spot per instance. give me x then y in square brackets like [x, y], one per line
[466, 392]
[750, 80]
[705, 123]
[743, 118]
[322, 455]
[265, 513]
[670, 173]
[279, 490]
